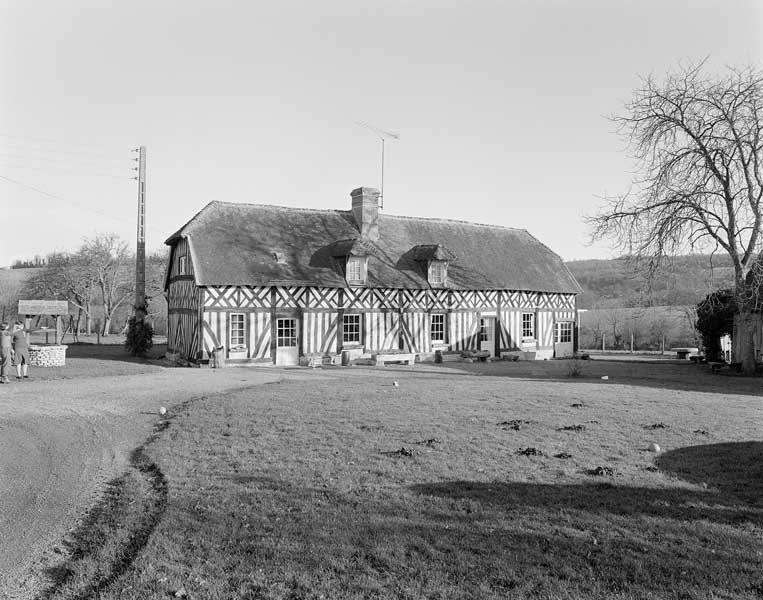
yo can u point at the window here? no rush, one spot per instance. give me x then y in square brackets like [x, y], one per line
[237, 330]
[356, 269]
[182, 264]
[438, 328]
[563, 332]
[485, 325]
[286, 333]
[351, 329]
[437, 272]
[528, 325]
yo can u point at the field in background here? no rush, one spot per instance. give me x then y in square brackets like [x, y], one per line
[648, 328]
[505, 480]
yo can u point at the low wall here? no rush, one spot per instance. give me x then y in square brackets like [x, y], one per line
[47, 356]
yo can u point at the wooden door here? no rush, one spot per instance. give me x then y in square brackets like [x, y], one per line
[563, 339]
[287, 342]
[487, 334]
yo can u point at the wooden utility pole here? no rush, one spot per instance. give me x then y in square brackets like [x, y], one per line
[140, 254]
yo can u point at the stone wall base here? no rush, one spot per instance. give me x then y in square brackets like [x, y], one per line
[47, 356]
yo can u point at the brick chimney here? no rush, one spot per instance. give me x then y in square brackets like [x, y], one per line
[365, 209]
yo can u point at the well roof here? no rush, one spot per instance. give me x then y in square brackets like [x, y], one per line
[254, 244]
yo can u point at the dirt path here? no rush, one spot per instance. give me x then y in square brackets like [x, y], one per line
[61, 441]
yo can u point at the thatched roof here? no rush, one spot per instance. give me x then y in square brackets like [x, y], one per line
[251, 244]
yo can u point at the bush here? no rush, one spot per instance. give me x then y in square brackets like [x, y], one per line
[576, 368]
[715, 318]
[140, 337]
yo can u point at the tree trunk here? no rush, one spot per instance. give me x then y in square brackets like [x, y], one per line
[746, 332]
[106, 325]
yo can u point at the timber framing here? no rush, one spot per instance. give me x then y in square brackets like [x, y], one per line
[263, 285]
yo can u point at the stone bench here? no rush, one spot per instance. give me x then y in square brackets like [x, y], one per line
[382, 358]
[683, 353]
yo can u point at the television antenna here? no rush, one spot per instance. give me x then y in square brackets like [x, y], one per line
[383, 136]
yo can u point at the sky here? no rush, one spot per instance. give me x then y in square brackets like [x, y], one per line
[500, 106]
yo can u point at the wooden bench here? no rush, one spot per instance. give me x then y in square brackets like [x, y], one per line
[381, 358]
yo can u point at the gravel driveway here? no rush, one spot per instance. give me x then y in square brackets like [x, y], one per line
[61, 441]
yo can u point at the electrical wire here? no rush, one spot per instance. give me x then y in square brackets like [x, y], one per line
[69, 201]
[65, 171]
[67, 145]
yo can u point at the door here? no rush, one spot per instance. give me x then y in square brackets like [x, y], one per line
[563, 339]
[287, 343]
[487, 334]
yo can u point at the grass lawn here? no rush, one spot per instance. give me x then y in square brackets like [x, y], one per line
[100, 360]
[508, 480]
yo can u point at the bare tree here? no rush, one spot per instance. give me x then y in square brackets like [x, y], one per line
[109, 260]
[67, 277]
[697, 142]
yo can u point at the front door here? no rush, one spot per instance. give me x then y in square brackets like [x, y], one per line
[487, 334]
[563, 333]
[287, 343]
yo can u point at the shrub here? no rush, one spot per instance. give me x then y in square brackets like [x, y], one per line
[575, 369]
[715, 318]
[140, 337]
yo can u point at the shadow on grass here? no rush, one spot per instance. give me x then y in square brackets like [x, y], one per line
[114, 352]
[683, 377]
[603, 498]
[734, 469]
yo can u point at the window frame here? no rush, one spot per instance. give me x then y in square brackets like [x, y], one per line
[528, 325]
[567, 330]
[442, 327]
[360, 261]
[293, 329]
[483, 333]
[439, 268]
[232, 318]
[183, 264]
[356, 329]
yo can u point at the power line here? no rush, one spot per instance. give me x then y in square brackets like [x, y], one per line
[23, 153]
[69, 201]
[65, 171]
[67, 144]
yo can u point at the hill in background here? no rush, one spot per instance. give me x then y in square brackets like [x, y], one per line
[684, 280]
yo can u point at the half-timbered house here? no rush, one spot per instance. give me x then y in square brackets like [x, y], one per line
[270, 284]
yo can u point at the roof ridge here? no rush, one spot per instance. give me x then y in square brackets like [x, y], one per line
[459, 221]
[279, 207]
[381, 214]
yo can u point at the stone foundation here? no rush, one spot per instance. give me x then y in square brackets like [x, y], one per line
[47, 356]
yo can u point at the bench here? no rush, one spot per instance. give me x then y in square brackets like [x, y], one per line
[683, 353]
[716, 367]
[381, 358]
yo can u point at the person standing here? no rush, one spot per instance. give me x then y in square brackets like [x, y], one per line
[6, 352]
[21, 350]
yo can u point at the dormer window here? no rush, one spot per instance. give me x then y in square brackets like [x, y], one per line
[356, 270]
[433, 260]
[437, 272]
[351, 257]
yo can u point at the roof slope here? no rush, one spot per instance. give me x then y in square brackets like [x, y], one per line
[250, 244]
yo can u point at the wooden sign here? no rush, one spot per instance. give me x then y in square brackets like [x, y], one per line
[43, 307]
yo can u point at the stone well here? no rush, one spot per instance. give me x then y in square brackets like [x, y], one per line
[47, 356]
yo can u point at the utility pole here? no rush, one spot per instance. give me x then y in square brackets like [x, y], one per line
[140, 254]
